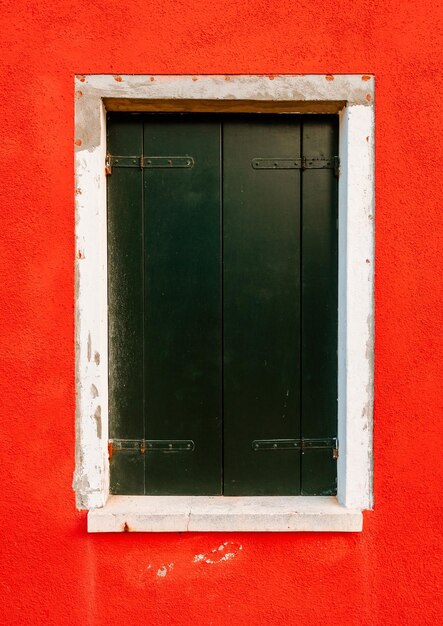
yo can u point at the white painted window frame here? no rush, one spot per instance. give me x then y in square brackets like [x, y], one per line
[352, 97]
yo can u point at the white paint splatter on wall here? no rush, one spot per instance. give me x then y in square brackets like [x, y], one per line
[164, 569]
[224, 552]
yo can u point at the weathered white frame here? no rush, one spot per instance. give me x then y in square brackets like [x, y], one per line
[352, 97]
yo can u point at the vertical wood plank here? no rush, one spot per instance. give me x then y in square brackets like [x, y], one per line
[261, 305]
[319, 305]
[183, 305]
[125, 303]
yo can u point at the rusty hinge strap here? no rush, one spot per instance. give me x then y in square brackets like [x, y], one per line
[151, 445]
[297, 444]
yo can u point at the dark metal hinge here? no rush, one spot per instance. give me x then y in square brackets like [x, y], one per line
[302, 163]
[151, 445]
[149, 162]
[297, 444]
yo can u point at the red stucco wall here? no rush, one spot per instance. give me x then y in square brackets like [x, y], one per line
[52, 572]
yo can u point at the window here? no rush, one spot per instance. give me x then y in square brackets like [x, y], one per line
[230, 106]
[222, 290]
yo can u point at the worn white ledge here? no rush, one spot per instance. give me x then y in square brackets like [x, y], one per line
[218, 513]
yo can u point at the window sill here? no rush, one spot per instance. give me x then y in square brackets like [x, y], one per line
[218, 513]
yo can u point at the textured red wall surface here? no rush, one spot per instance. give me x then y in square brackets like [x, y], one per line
[52, 572]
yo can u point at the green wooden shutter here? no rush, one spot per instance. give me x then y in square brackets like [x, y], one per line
[175, 249]
[223, 304]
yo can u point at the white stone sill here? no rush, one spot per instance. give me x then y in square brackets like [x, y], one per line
[219, 513]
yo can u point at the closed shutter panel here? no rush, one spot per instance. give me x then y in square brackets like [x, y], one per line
[180, 384]
[223, 304]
